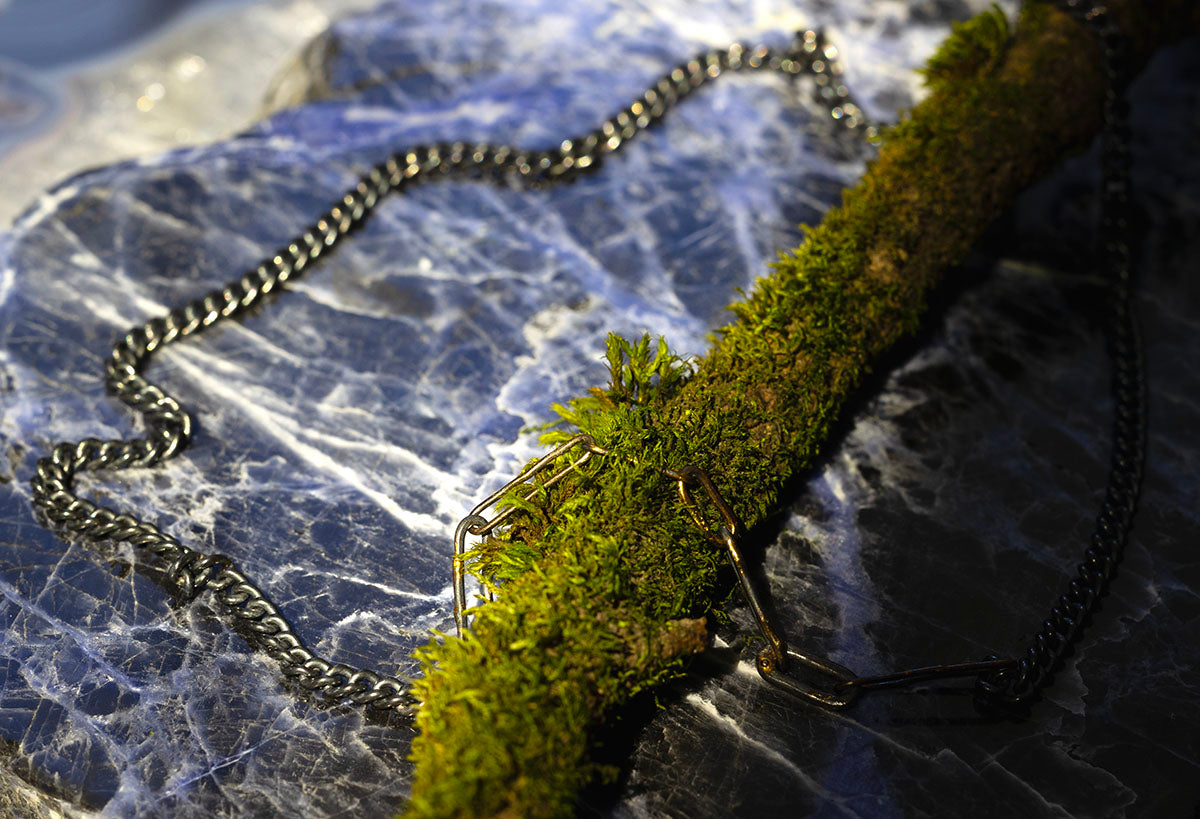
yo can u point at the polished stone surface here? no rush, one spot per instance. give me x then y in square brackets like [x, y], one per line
[344, 428]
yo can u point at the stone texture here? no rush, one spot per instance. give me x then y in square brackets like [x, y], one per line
[345, 427]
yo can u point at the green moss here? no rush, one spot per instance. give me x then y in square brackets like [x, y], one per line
[974, 48]
[603, 581]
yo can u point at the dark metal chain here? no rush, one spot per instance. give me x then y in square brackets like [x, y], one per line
[168, 425]
[1021, 683]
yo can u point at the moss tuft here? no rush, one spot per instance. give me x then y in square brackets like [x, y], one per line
[974, 49]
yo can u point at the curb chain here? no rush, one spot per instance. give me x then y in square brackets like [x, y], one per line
[1022, 682]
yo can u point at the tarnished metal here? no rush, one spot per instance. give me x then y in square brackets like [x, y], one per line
[917, 675]
[691, 476]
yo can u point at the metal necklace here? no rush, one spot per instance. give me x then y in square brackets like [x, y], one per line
[1021, 683]
[188, 572]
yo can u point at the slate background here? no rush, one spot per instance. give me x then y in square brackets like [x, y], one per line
[344, 428]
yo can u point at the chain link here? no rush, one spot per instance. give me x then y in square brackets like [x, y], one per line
[168, 425]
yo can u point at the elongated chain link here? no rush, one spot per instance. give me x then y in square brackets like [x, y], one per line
[168, 425]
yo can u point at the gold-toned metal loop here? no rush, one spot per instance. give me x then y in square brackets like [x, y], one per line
[475, 523]
[690, 476]
[777, 663]
[776, 647]
[459, 571]
[798, 674]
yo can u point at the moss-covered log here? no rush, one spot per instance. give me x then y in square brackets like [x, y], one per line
[601, 582]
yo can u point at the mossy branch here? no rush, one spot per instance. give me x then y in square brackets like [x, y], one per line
[603, 585]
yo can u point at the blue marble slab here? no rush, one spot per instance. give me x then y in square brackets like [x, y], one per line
[344, 428]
